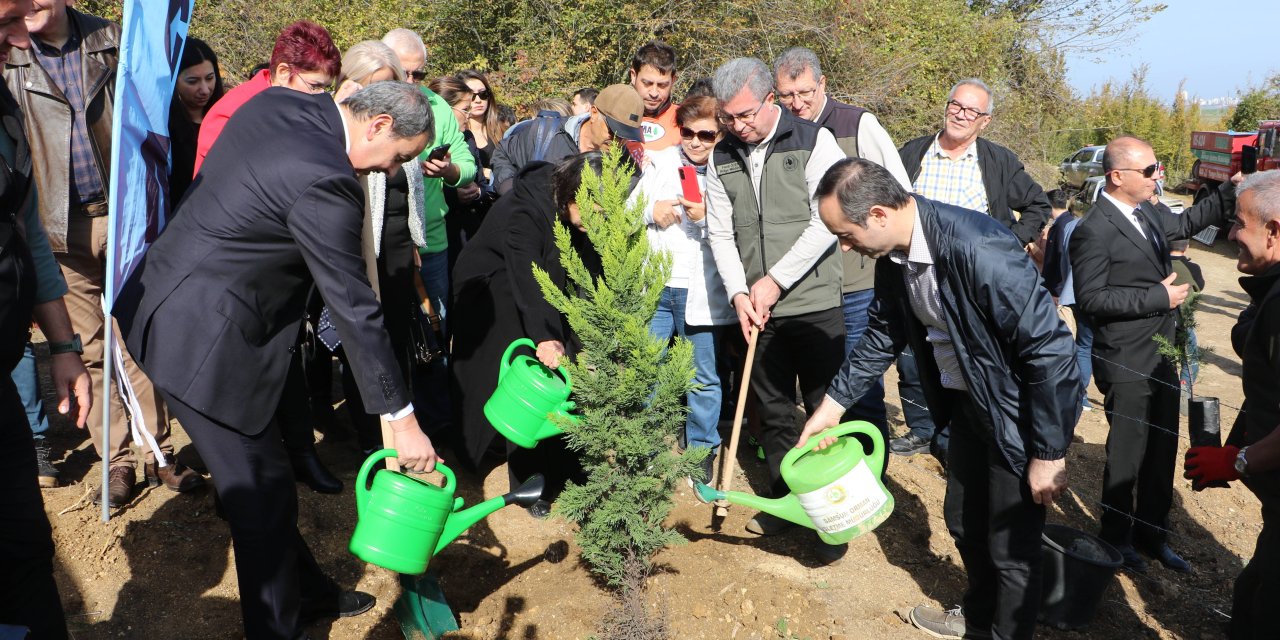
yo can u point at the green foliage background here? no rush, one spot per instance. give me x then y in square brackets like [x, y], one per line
[896, 57]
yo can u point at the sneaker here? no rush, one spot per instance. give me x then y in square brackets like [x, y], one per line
[1085, 405]
[46, 473]
[909, 445]
[765, 524]
[944, 624]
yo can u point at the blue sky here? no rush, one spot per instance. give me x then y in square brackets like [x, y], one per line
[1207, 43]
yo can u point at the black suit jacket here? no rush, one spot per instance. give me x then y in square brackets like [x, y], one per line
[1117, 276]
[213, 312]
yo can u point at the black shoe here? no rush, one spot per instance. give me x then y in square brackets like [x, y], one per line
[343, 604]
[909, 445]
[767, 524]
[540, 510]
[46, 473]
[1132, 561]
[831, 553]
[308, 470]
[1168, 557]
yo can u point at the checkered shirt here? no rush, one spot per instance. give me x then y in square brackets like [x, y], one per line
[65, 66]
[955, 182]
[926, 302]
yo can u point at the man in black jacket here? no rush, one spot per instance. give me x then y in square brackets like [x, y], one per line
[1252, 453]
[1123, 282]
[957, 167]
[996, 362]
[213, 311]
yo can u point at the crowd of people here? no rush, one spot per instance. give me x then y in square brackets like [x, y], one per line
[351, 206]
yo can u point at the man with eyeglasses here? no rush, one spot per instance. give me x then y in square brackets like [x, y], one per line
[802, 88]
[65, 84]
[775, 256]
[1123, 281]
[958, 167]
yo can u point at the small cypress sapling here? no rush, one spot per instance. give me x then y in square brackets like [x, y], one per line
[628, 386]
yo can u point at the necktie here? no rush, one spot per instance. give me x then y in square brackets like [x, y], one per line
[1154, 236]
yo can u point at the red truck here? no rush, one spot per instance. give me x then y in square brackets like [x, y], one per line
[1219, 155]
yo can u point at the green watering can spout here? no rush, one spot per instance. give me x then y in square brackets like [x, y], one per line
[524, 495]
[787, 507]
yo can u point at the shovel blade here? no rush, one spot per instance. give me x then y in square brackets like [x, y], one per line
[422, 610]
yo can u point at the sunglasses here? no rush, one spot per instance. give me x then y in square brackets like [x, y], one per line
[483, 95]
[418, 76]
[708, 137]
[1147, 171]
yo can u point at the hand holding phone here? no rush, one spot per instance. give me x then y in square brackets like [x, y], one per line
[689, 184]
[438, 153]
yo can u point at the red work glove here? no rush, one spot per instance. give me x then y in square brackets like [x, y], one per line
[1205, 465]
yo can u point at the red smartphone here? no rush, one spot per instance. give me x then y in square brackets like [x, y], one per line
[689, 183]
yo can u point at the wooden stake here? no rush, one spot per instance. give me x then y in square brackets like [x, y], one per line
[731, 456]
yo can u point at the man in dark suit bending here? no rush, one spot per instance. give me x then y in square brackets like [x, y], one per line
[213, 312]
[1124, 282]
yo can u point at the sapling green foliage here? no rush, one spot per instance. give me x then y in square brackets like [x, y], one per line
[628, 386]
[1180, 352]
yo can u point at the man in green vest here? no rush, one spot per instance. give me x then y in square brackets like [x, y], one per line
[776, 257]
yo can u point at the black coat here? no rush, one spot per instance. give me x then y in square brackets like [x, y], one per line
[497, 301]
[1017, 358]
[212, 313]
[1117, 274]
[1009, 187]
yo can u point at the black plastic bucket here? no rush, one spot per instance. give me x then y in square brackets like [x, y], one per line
[1077, 569]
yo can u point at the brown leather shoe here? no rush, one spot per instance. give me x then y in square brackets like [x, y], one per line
[175, 476]
[120, 481]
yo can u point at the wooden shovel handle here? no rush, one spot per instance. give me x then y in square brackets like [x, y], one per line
[731, 456]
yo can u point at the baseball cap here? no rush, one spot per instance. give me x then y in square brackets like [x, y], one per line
[622, 109]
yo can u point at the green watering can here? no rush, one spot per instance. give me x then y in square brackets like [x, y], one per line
[836, 491]
[527, 397]
[403, 521]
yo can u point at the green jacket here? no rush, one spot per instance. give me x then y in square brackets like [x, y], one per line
[434, 208]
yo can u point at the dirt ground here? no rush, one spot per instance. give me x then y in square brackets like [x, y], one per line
[162, 566]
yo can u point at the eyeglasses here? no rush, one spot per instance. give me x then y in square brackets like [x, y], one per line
[727, 119]
[954, 107]
[788, 98]
[483, 95]
[1147, 171]
[418, 75]
[708, 137]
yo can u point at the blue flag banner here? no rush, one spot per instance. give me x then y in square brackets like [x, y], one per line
[153, 35]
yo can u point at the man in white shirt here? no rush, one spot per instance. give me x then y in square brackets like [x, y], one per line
[773, 252]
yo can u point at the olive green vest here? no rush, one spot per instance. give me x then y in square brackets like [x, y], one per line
[763, 238]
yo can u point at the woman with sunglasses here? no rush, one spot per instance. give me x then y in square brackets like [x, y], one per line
[693, 304]
[485, 124]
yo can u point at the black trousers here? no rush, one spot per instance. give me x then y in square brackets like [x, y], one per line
[808, 346]
[1140, 457]
[28, 594]
[1257, 588]
[275, 570]
[996, 526]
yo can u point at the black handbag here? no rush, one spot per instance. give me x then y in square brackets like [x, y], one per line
[427, 345]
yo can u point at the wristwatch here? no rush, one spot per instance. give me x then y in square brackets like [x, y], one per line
[71, 346]
[1242, 464]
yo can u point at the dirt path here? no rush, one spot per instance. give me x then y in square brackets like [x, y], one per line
[162, 566]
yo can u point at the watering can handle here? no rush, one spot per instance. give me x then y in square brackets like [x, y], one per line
[506, 355]
[362, 484]
[848, 428]
[506, 361]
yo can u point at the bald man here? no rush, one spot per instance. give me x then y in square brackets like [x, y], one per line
[1124, 282]
[411, 52]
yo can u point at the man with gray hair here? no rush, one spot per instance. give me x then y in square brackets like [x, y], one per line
[997, 364]
[958, 167]
[411, 52]
[776, 258]
[213, 311]
[1252, 453]
[802, 88]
